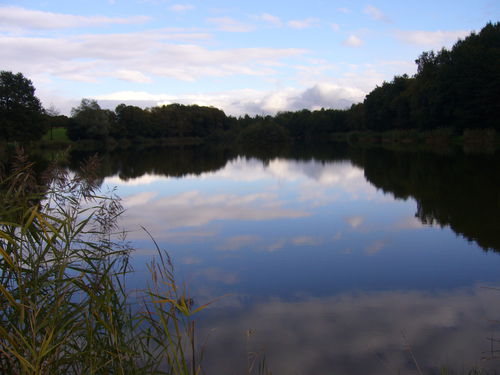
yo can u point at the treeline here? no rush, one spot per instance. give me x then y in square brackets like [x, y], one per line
[89, 121]
[457, 89]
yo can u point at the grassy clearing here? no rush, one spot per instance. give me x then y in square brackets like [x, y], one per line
[56, 134]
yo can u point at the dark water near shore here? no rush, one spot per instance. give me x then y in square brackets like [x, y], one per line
[332, 260]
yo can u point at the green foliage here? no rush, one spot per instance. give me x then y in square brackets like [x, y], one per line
[388, 107]
[454, 88]
[460, 86]
[20, 109]
[131, 121]
[56, 134]
[304, 124]
[89, 121]
[177, 120]
[263, 134]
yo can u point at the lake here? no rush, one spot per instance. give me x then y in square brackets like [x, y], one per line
[331, 260]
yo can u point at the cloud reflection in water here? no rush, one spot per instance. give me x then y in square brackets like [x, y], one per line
[364, 333]
[282, 189]
[328, 269]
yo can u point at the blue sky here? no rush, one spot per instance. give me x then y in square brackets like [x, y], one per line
[244, 57]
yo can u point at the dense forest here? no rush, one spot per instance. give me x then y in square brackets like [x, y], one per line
[456, 89]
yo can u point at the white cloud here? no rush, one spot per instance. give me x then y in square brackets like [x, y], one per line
[185, 236]
[156, 2]
[355, 221]
[132, 76]
[375, 13]
[192, 209]
[17, 18]
[231, 25]
[138, 96]
[335, 26]
[431, 39]
[314, 173]
[406, 223]
[344, 10]
[181, 8]
[213, 274]
[191, 260]
[136, 57]
[139, 199]
[327, 95]
[353, 41]
[238, 242]
[145, 179]
[303, 24]
[276, 246]
[306, 241]
[270, 19]
[184, 54]
[376, 246]
[166, 214]
[237, 102]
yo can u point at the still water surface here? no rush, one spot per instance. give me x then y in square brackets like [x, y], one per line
[334, 262]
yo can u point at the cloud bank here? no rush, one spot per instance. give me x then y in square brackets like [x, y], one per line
[17, 18]
[237, 102]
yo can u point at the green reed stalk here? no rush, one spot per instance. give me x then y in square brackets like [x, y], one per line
[63, 300]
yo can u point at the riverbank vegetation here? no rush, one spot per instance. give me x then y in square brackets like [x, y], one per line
[453, 98]
[65, 307]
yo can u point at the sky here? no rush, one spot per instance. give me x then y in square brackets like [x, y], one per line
[255, 57]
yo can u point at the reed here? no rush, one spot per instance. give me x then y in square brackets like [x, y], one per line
[64, 305]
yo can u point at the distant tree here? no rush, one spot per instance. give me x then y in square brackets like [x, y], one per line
[89, 121]
[131, 121]
[178, 120]
[355, 117]
[460, 87]
[263, 134]
[207, 120]
[20, 109]
[387, 106]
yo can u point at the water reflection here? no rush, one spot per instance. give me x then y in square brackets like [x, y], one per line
[362, 333]
[456, 190]
[244, 190]
[310, 226]
[328, 259]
